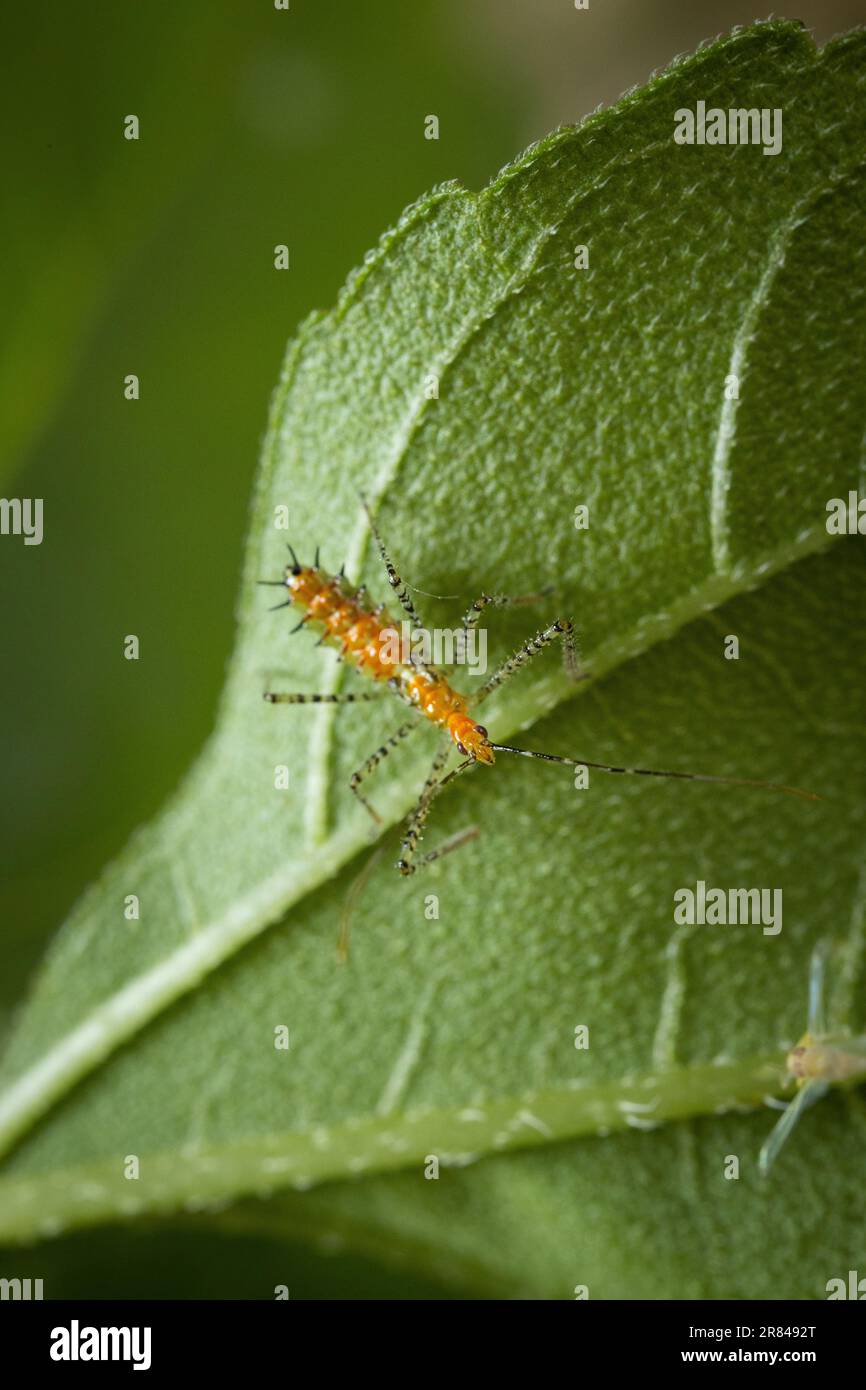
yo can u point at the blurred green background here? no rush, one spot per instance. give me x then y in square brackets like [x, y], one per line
[155, 257]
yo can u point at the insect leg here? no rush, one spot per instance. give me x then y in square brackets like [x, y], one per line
[394, 579]
[774, 1103]
[562, 628]
[455, 841]
[280, 697]
[415, 823]
[472, 617]
[373, 762]
[806, 1096]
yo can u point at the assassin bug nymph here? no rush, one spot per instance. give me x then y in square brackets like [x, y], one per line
[347, 620]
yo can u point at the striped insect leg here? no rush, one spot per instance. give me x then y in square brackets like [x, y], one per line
[562, 629]
[373, 762]
[394, 579]
[473, 615]
[277, 697]
[416, 821]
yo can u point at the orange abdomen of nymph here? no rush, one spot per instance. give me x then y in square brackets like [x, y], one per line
[357, 631]
[361, 636]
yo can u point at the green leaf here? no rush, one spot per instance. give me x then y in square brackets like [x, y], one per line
[629, 1216]
[557, 386]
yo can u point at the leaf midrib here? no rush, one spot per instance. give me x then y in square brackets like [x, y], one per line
[210, 1173]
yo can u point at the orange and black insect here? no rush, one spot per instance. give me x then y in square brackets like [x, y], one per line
[348, 620]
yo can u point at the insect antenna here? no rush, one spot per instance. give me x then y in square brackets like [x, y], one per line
[658, 772]
[295, 561]
[316, 561]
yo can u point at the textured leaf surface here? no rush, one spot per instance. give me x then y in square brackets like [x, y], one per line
[557, 387]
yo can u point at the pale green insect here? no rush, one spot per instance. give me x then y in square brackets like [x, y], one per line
[820, 1059]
